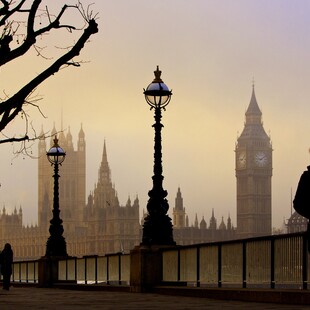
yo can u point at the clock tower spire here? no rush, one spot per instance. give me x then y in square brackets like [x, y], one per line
[253, 172]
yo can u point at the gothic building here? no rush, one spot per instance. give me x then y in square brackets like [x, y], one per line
[113, 228]
[253, 154]
[97, 227]
[296, 223]
[199, 232]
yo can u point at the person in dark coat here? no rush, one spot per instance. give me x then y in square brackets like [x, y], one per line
[6, 265]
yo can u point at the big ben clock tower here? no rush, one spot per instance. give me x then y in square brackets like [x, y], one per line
[253, 172]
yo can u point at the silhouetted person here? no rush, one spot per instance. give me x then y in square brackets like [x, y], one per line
[302, 197]
[6, 265]
[301, 201]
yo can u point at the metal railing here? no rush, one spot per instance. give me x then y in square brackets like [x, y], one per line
[264, 262]
[112, 269]
[25, 271]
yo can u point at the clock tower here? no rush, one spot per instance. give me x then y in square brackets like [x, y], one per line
[253, 172]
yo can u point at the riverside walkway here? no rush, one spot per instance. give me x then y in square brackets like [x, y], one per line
[62, 299]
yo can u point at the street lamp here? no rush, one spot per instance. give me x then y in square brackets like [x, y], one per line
[56, 244]
[157, 227]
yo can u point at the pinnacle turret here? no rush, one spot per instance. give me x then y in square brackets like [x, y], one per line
[104, 171]
[69, 140]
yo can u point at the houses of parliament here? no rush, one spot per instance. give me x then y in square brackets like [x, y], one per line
[96, 223]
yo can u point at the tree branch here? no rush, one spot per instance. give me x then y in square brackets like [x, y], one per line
[7, 55]
[6, 12]
[8, 140]
[12, 106]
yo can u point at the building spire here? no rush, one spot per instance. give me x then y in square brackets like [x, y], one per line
[81, 132]
[104, 171]
[61, 120]
[253, 108]
[104, 153]
[196, 221]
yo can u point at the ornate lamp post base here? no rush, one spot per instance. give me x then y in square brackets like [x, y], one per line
[157, 229]
[56, 246]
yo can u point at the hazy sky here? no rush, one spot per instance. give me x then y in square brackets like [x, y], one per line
[209, 52]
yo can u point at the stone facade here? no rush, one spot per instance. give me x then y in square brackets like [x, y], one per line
[113, 228]
[296, 223]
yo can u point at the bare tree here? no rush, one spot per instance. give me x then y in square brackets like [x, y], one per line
[19, 24]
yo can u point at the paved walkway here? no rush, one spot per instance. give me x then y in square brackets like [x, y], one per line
[59, 299]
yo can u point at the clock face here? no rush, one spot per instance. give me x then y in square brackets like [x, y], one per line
[261, 159]
[241, 160]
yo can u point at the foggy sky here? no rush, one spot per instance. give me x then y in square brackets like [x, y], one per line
[209, 53]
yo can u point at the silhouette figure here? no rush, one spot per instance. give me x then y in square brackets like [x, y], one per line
[301, 201]
[302, 197]
[6, 260]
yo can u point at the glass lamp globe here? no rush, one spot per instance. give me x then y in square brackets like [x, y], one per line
[157, 94]
[56, 155]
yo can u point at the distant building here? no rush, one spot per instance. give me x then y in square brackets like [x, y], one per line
[253, 154]
[200, 231]
[296, 223]
[112, 228]
[99, 227]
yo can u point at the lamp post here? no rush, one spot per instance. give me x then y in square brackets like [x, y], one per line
[56, 244]
[157, 227]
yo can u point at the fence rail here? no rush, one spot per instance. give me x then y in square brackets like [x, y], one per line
[25, 271]
[267, 262]
[109, 269]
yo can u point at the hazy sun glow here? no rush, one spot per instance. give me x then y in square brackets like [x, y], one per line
[208, 52]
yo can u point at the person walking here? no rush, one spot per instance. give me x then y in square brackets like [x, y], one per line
[6, 260]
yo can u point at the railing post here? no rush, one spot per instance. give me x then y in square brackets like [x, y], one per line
[272, 264]
[34, 272]
[219, 266]
[85, 269]
[27, 280]
[20, 272]
[146, 267]
[75, 269]
[244, 262]
[305, 261]
[66, 269]
[119, 269]
[179, 265]
[96, 269]
[198, 267]
[48, 270]
[108, 281]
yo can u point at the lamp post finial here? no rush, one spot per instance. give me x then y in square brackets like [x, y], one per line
[157, 74]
